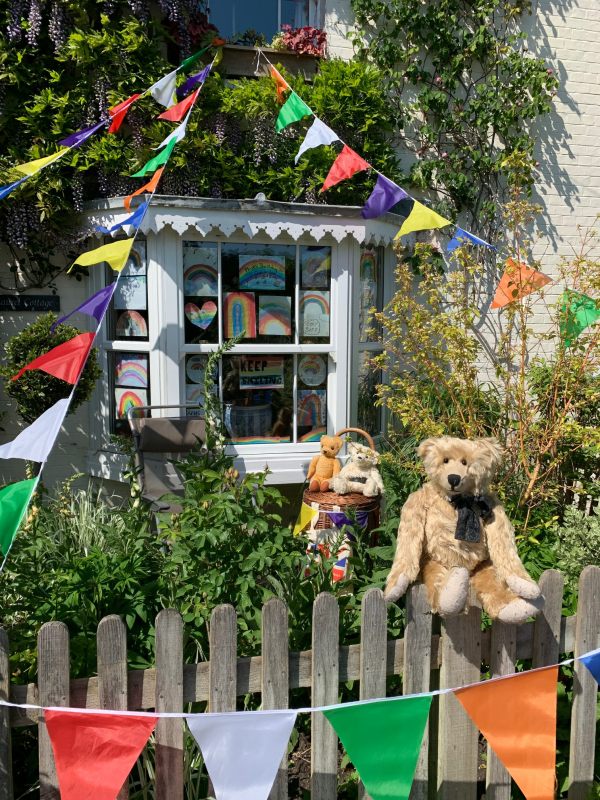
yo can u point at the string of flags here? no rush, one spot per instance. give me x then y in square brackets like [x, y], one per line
[95, 749]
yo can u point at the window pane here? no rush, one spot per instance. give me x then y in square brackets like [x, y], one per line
[128, 312]
[195, 370]
[312, 397]
[314, 299]
[200, 293]
[369, 416]
[233, 17]
[371, 292]
[130, 387]
[295, 13]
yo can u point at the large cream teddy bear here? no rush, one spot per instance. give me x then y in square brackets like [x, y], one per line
[360, 474]
[453, 533]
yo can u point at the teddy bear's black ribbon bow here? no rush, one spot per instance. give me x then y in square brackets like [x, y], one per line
[470, 510]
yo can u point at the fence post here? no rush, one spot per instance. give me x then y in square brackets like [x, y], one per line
[325, 687]
[546, 630]
[111, 641]
[222, 667]
[458, 737]
[417, 668]
[53, 686]
[503, 653]
[583, 717]
[169, 697]
[6, 786]
[275, 685]
[373, 650]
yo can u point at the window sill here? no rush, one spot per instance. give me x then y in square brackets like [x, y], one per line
[241, 61]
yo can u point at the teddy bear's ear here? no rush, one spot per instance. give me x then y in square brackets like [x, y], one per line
[491, 449]
[426, 448]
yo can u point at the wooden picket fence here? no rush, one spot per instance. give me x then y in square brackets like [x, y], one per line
[432, 654]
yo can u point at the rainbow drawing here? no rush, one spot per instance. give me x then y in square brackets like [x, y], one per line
[315, 264]
[201, 317]
[262, 272]
[311, 407]
[200, 280]
[314, 435]
[260, 440]
[131, 324]
[239, 314]
[274, 315]
[314, 313]
[368, 265]
[132, 372]
[128, 398]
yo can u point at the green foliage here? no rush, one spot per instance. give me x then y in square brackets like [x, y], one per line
[578, 545]
[36, 391]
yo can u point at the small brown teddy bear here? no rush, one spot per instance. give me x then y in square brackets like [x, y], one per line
[454, 532]
[325, 466]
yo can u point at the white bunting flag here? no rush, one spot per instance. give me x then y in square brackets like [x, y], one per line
[35, 442]
[242, 751]
[163, 91]
[318, 134]
[177, 134]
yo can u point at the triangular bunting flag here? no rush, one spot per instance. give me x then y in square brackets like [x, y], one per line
[517, 715]
[193, 81]
[35, 442]
[6, 190]
[293, 110]
[345, 166]
[340, 519]
[176, 135]
[306, 516]
[318, 134]
[94, 753]
[281, 84]
[95, 306]
[163, 91]
[14, 500]
[518, 281]
[384, 196]
[149, 187]
[592, 662]
[190, 60]
[79, 137]
[460, 237]
[114, 253]
[158, 161]
[177, 112]
[242, 751]
[65, 361]
[134, 219]
[383, 740]
[31, 167]
[421, 218]
[119, 112]
[578, 311]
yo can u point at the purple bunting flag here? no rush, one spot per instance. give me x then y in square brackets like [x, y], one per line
[592, 662]
[460, 237]
[134, 219]
[384, 196]
[193, 81]
[95, 306]
[339, 518]
[79, 137]
[6, 190]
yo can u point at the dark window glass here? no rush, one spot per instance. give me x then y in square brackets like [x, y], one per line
[128, 312]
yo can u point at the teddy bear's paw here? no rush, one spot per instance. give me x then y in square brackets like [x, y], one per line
[519, 610]
[395, 590]
[453, 596]
[523, 587]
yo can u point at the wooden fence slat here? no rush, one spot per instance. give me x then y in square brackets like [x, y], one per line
[502, 662]
[546, 630]
[373, 650]
[417, 667]
[6, 785]
[169, 697]
[53, 684]
[325, 679]
[275, 675]
[583, 716]
[112, 669]
[222, 669]
[458, 737]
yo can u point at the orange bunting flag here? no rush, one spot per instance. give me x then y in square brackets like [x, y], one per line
[119, 112]
[147, 187]
[177, 112]
[517, 715]
[518, 281]
[280, 82]
[346, 164]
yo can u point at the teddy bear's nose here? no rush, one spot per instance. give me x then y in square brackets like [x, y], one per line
[453, 480]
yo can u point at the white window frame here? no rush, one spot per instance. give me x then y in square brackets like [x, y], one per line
[315, 13]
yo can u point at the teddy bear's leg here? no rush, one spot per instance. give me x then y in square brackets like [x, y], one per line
[498, 600]
[324, 487]
[370, 489]
[447, 588]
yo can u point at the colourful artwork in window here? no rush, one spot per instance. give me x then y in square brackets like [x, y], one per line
[131, 324]
[274, 315]
[195, 367]
[131, 371]
[312, 370]
[239, 315]
[131, 293]
[312, 408]
[201, 317]
[261, 372]
[266, 273]
[315, 263]
[200, 280]
[129, 398]
[314, 314]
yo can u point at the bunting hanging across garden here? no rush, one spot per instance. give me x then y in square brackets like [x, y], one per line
[79, 137]
[305, 517]
[95, 306]
[177, 112]
[119, 112]
[385, 195]
[518, 281]
[317, 135]
[134, 219]
[339, 518]
[461, 237]
[592, 662]
[281, 84]
[65, 361]
[421, 218]
[10, 187]
[293, 110]
[517, 715]
[31, 167]
[193, 81]
[347, 164]
[163, 91]
[578, 312]
[35, 442]
[176, 135]
[94, 755]
[158, 161]
[14, 500]
[114, 253]
[149, 188]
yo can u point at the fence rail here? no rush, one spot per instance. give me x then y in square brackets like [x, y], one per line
[432, 654]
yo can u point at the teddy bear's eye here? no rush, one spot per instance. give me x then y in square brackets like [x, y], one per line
[464, 462]
[446, 460]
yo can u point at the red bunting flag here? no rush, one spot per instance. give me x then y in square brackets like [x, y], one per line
[517, 716]
[281, 84]
[119, 112]
[64, 361]
[346, 164]
[147, 187]
[518, 281]
[177, 112]
[94, 753]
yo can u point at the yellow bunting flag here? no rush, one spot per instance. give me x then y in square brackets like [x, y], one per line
[31, 167]
[114, 253]
[305, 517]
[421, 218]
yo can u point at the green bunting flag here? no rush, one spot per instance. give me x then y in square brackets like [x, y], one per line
[14, 500]
[383, 740]
[292, 110]
[578, 311]
[157, 161]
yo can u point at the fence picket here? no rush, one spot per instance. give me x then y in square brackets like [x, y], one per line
[546, 630]
[583, 717]
[502, 662]
[275, 674]
[112, 669]
[53, 683]
[6, 786]
[325, 679]
[169, 697]
[222, 668]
